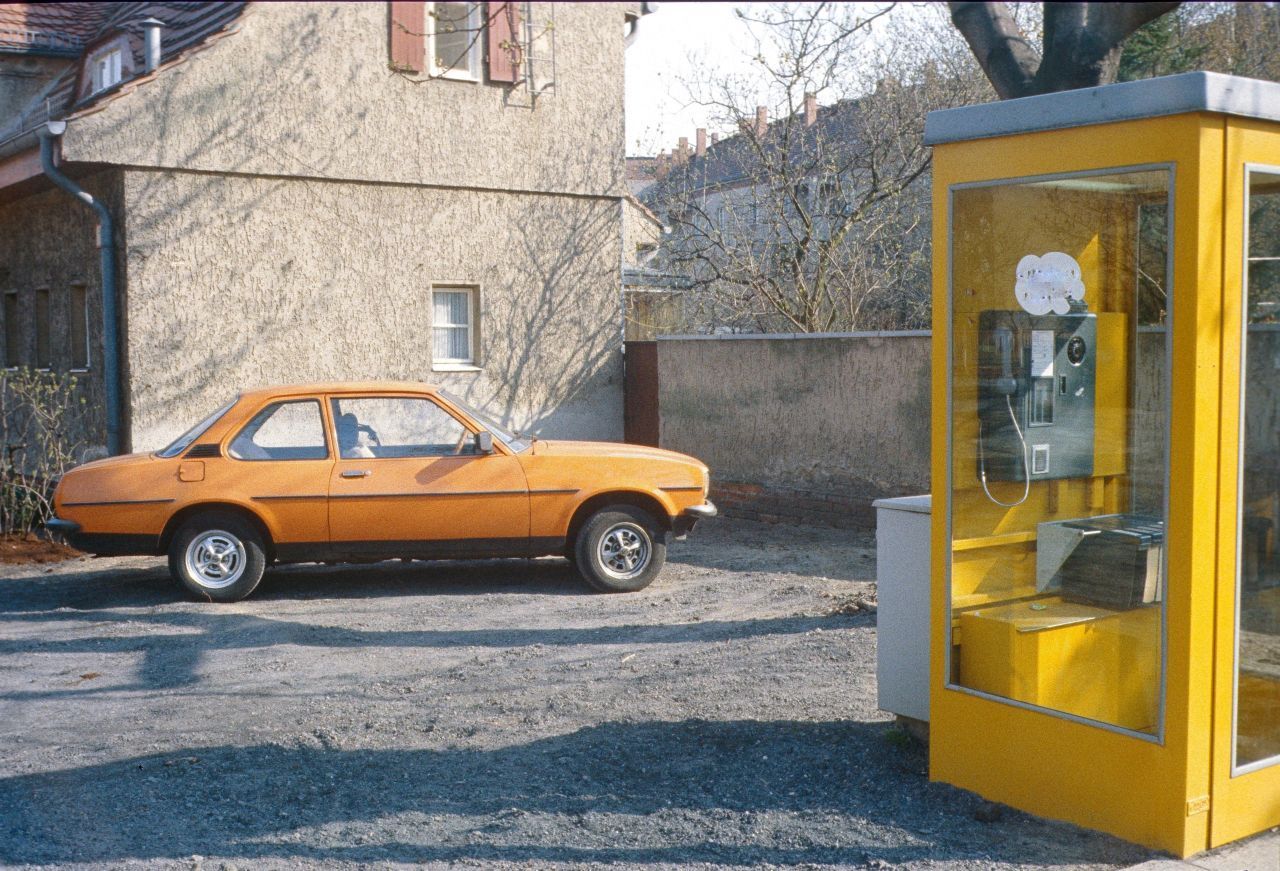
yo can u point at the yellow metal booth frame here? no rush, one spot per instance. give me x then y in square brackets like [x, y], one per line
[1106, 575]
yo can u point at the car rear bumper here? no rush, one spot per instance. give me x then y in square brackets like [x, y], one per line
[102, 543]
[62, 527]
[685, 521]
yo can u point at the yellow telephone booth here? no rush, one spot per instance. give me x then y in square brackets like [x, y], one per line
[1106, 434]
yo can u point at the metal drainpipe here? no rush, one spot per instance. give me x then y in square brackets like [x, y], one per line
[107, 257]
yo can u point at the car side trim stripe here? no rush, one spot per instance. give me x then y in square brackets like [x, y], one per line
[432, 493]
[452, 548]
[414, 495]
[680, 489]
[118, 502]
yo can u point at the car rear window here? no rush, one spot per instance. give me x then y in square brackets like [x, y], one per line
[184, 441]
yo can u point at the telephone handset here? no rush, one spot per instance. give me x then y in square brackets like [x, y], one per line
[1036, 376]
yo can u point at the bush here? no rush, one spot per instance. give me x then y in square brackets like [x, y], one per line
[43, 433]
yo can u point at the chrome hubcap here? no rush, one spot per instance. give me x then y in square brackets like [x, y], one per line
[624, 551]
[215, 559]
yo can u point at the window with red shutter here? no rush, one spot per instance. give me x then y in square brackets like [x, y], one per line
[407, 37]
[505, 53]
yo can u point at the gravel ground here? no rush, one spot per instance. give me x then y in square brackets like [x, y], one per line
[487, 714]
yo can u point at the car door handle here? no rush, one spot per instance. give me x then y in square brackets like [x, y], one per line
[356, 473]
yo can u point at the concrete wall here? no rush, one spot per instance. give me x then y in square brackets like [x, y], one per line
[811, 428]
[306, 89]
[243, 281]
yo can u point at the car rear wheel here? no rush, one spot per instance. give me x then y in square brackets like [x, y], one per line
[217, 556]
[620, 549]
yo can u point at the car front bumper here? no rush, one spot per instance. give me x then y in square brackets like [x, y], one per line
[684, 522]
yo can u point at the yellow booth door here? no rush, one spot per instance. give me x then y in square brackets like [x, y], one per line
[1246, 722]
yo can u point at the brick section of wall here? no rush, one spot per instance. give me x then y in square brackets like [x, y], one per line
[770, 504]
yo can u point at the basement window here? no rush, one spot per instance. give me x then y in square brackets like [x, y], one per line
[44, 348]
[105, 69]
[12, 331]
[78, 324]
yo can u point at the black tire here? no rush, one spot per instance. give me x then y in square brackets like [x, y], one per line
[621, 530]
[225, 544]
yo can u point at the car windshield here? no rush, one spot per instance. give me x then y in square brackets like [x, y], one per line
[514, 441]
[184, 440]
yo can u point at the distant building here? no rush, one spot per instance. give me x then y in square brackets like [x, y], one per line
[818, 203]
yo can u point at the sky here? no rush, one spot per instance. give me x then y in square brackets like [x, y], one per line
[670, 41]
[673, 43]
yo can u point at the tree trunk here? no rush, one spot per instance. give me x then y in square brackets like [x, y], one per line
[1082, 43]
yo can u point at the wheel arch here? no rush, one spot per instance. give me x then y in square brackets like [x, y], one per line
[637, 498]
[188, 511]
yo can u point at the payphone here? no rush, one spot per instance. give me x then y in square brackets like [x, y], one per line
[1036, 377]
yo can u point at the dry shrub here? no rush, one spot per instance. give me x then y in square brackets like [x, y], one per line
[43, 426]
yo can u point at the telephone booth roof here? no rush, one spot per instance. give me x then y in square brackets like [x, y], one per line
[1127, 101]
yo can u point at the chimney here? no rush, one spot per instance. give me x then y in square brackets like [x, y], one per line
[701, 139]
[661, 168]
[762, 121]
[715, 137]
[151, 43]
[810, 108]
[682, 150]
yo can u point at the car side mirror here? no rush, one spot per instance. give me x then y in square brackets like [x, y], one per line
[484, 442]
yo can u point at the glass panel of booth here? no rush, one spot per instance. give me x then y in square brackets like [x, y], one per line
[1257, 675]
[1059, 433]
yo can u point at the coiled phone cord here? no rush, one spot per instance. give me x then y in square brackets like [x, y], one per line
[1026, 464]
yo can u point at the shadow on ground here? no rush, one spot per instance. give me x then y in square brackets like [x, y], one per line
[87, 586]
[177, 640]
[736, 545]
[648, 792]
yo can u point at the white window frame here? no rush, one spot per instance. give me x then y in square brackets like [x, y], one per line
[455, 364]
[475, 52]
[106, 69]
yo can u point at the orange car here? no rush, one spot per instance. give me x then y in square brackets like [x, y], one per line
[366, 472]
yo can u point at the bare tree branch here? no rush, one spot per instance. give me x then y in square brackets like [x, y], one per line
[816, 225]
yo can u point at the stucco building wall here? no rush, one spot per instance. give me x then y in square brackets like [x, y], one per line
[306, 89]
[241, 281]
[809, 429]
[287, 201]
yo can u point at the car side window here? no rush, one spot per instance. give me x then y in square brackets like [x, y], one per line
[398, 426]
[283, 431]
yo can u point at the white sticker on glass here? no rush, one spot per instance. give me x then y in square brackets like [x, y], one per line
[1049, 283]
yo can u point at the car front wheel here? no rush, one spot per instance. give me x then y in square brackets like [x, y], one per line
[620, 549]
[217, 556]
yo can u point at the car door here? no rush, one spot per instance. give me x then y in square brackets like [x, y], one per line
[410, 482]
[280, 459]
